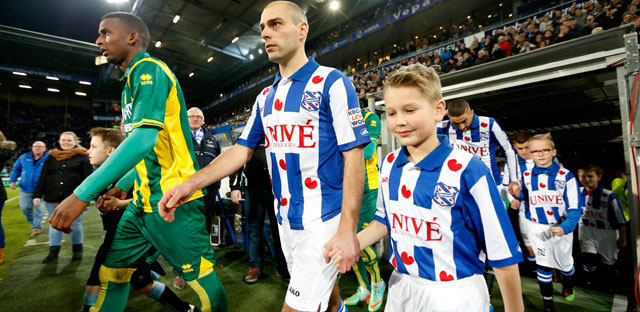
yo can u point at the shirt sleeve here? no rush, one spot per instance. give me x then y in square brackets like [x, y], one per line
[253, 132]
[16, 171]
[348, 123]
[150, 87]
[574, 203]
[381, 212]
[502, 139]
[488, 215]
[617, 217]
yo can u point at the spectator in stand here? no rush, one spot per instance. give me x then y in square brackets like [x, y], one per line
[589, 25]
[482, 57]
[6, 152]
[564, 34]
[581, 18]
[545, 22]
[28, 167]
[63, 171]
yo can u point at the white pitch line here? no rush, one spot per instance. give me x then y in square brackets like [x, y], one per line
[13, 198]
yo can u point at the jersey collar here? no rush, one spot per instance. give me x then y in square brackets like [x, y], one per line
[551, 170]
[475, 123]
[303, 74]
[431, 162]
[139, 56]
[595, 193]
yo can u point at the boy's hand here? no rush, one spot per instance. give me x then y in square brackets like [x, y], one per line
[173, 198]
[558, 231]
[114, 192]
[36, 202]
[514, 189]
[347, 243]
[113, 203]
[336, 257]
[236, 196]
[514, 204]
[66, 212]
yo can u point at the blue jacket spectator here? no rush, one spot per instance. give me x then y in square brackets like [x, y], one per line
[28, 169]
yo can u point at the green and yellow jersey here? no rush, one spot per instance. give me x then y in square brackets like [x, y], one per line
[370, 151]
[152, 97]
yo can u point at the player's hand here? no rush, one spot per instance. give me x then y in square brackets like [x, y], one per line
[36, 202]
[66, 212]
[514, 189]
[114, 192]
[12, 185]
[347, 243]
[558, 231]
[336, 257]
[173, 198]
[236, 196]
[112, 203]
[514, 204]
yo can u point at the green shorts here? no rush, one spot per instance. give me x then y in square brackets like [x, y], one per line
[367, 208]
[183, 242]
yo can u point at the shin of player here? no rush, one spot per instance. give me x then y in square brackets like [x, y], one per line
[553, 209]
[425, 188]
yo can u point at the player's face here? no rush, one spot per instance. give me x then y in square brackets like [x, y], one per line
[589, 178]
[67, 141]
[542, 152]
[522, 149]
[462, 122]
[410, 116]
[113, 40]
[282, 36]
[98, 151]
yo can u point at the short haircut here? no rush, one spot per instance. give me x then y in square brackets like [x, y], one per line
[296, 12]
[195, 109]
[591, 167]
[457, 107]
[543, 137]
[521, 137]
[418, 76]
[133, 24]
[111, 137]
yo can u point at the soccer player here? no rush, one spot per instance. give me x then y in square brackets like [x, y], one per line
[103, 142]
[158, 148]
[553, 209]
[369, 291]
[441, 209]
[314, 134]
[603, 228]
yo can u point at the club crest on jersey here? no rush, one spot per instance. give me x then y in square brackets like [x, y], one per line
[560, 184]
[311, 100]
[445, 195]
[484, 135]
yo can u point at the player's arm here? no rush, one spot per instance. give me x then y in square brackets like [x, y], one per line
[373, 127]
[619, 219]
[16, 171]
[510, 154]
[574, 203]
[509, 281]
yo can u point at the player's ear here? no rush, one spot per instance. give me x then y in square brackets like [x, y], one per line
[554, 152]
[303, 30]
[110, 150]
[441, 109]
[133, 38]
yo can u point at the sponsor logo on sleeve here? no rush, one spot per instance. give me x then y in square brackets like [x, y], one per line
[355, 117]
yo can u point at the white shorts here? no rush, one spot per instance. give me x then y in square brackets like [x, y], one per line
[522, 220]
[410, 293]
[311, 278]
[599, 241]
[554, 252]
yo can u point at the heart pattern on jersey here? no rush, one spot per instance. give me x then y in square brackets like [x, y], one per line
[406, 259]
[391, 157]
[445, 277]
[467, 139]
[605, 195]
[283, 201]
[454, 165]
[550, 213]
[393, 261]
[484, 124]
[310, 183]
[266, 91]
[406, 193]
[282, 164]
[278, 104]
[562, 172]
[317, 79]
[526, 174]
[542, 185]
[534, 219]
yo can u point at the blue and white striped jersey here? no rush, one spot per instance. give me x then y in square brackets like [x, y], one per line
[444, 215]
[306, 120]
[480, 140]
[602, 209]
[550, 194]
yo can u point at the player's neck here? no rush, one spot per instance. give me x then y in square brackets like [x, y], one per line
[290, 66]
[418, 152]
[132, 54]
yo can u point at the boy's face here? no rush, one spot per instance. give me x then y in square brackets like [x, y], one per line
[410, 116]
[542, 152]
[98, 151]
[522, 149]
[589, 178]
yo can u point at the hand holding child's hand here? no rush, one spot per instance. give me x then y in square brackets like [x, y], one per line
[336, 257]
[558, 231]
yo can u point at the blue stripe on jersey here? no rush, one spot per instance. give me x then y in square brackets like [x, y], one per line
[426, 269]
[542, 217]
[276, 183]
[423, 199]
[556, 213]
[394, 180]
[495, 171]
[268, 102]
[296, 202]
[394, 251]
[551, 183]
[534, 183]
[256, 127]
[294, 96]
